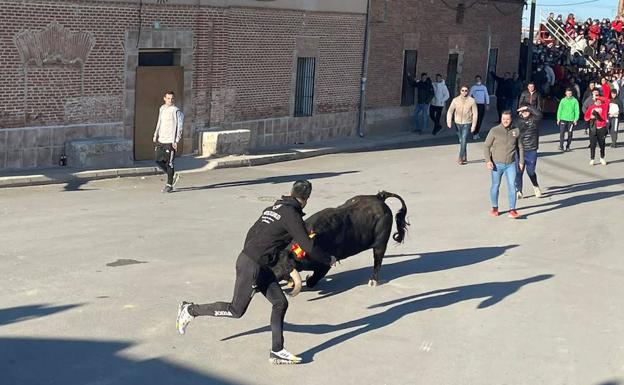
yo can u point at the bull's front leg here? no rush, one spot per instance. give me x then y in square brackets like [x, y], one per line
[319, 273]
[378, 254]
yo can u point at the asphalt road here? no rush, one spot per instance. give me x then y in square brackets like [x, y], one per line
[92, 275]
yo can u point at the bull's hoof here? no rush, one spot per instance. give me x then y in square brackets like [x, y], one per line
[290, 284]
[372, 283]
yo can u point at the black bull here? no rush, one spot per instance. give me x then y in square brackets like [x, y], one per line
[362, 222]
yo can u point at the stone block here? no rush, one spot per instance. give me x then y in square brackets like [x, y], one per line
[3, 139]
[15, 139]
[14, 159]
[99, 152]
[224, 142]
[44, 157]
[29, 158]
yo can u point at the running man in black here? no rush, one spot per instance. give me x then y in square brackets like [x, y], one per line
[278, 225]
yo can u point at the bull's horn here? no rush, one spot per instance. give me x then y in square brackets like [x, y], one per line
[296, 278]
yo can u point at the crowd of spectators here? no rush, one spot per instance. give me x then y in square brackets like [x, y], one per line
[594, 51]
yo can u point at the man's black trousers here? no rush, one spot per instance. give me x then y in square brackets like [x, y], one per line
[250, 277]
[165, 154]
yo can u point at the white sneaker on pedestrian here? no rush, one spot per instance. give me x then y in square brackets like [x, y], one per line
[184, 317]
[591, 162]
[283, 357]
[538, 192]
[603, 161]
[518, 194]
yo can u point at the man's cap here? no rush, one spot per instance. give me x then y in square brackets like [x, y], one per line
[301, 189]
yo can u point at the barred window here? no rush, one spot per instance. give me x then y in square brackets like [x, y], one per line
[304, 90]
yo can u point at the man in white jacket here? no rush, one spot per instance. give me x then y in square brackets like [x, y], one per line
[166, 137]
[441, 95]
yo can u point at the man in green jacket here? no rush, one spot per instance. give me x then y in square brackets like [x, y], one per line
[567, 116]
[499, 151]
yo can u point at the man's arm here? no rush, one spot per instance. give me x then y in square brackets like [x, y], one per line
[157, 130]
[296, 228]
[487, 146]
[179, 126]
[537, 114]
[449, 114]
[475, 114]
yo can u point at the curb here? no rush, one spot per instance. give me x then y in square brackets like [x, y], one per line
[60, 176]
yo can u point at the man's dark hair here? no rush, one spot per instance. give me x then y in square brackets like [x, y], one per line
[301, 189]
[423, 74]
[169, 93]
[531, 83]
[506, 112]
[438, 75]
[568, 89]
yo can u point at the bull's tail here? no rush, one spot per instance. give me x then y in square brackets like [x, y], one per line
[401, 222]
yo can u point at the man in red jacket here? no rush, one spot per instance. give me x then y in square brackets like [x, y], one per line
[596, 115]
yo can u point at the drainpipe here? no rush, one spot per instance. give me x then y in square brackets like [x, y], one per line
[361, 118]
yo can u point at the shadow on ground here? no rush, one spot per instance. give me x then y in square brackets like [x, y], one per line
[271, 179]
[491, 293]
[576, 199]
[25, 313]
[35, 361]
[421, 263]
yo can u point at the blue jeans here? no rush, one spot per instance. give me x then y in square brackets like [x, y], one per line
[421, 117]
[462, 134]
[530, 163]
[509, 170]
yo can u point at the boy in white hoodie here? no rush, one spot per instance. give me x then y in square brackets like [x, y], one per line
[441, 95]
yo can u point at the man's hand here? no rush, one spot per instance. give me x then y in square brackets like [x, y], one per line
[154, 139]
[333, 261]
[449, 124]
[574, 123]
[521, 166]
[524, 108]
[489, 165]
[558, 122]
[175, 146]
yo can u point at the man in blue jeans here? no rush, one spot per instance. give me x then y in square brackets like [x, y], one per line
[528, 124]
[499, 151]
[423, 98]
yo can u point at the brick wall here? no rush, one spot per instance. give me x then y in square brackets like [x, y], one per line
[430, 28]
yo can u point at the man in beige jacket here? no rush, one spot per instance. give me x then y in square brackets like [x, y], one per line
[463, 111]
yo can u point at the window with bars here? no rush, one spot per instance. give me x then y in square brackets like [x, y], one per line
[304, 89]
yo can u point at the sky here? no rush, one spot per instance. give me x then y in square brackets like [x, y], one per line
[580, 8]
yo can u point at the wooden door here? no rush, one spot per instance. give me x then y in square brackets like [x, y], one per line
[151, 84]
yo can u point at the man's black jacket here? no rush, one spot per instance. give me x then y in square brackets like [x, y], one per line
[275, 229]
[529, 130]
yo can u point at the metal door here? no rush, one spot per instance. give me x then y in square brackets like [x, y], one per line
[151, 85]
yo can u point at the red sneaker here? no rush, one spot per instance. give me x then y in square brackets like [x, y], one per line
[513, 214]
[494, 211]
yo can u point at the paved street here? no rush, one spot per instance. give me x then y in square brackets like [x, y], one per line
[92, 275]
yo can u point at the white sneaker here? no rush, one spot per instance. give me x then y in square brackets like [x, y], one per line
[591, 162]
[538, 192]
[603, 161]
[518, 194]
[184, 317]
[176, 178]
[283, 357]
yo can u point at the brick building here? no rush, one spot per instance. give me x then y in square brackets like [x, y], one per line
[287, 71]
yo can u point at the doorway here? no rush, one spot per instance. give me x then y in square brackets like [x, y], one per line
[409, 69]
[153, 79]
[451, 74]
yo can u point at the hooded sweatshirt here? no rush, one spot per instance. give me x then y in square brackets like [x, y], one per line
[568, 110]
[440, 94]
[277, 226]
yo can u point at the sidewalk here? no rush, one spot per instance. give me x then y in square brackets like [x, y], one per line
[193, 164]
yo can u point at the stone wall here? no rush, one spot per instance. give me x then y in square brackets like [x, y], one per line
[42, 146]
